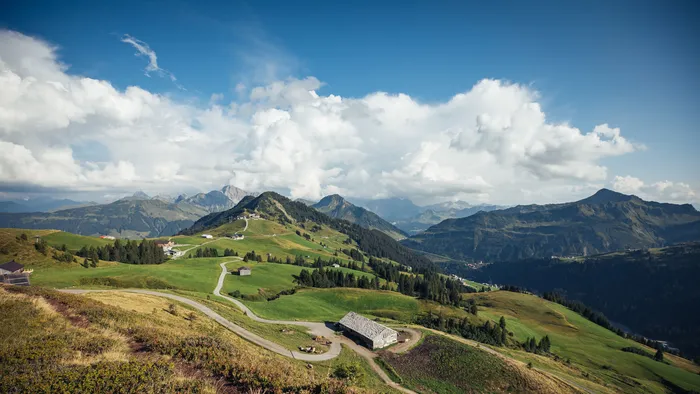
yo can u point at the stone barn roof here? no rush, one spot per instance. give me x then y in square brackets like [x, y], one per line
[363, 326]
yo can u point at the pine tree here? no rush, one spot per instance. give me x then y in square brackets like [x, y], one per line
[502, 323]
[659, 356]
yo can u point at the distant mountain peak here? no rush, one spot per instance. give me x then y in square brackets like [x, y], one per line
[336, 206]
[141, 194]
[332, 199]
[606, 195]
[234, 194]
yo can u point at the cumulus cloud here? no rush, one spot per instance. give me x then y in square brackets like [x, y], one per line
[490, 143]
[665, 191]
[143, 49]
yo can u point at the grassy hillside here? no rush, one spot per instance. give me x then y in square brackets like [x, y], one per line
[280, 209]
[660, 286]
[73, 241]
[67, 343]
[437, 365]
[186, 274]
[593, 350]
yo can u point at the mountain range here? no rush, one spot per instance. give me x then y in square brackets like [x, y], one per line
[410, 218]
[337, 207]
[135, 216]
[606, 221]
[40, 204]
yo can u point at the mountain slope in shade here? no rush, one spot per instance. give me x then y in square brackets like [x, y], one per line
[390, 209]
[337, 207]
[13, 207]
[126, 218]
[439, 212]
[40, 204]
[605, 222]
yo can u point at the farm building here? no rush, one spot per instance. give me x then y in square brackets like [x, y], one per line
[207, 236]
[237, 236]
[373, 334]
[165, 244]
[336, 265]
[244, 271]
[107, 237]
[11, 267]
[13, 273]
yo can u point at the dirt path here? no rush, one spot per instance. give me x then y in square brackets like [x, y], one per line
[404, 347]
[194, 247]
[333, 352]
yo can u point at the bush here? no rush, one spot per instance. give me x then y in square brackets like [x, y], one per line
[349, 371]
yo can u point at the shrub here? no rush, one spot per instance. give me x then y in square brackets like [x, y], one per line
[349, 371]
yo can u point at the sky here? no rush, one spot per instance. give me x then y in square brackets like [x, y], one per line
[506, 102]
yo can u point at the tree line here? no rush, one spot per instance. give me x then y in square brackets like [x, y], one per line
[325, 278]
[431, 286]
[129, 252]
[488, 333]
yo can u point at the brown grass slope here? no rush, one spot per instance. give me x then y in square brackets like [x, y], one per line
[55, 342]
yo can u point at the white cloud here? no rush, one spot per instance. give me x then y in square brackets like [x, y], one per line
[490, 143]
[663, 191]
[143, 49]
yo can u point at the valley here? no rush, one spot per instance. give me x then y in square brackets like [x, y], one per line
[268, 308]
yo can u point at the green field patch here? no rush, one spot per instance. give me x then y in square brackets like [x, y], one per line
[333, 304]
[74, 242]
[270, 278]
[267, 278]
[187, 274]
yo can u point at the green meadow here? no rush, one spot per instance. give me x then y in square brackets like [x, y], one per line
[72, 241]
[595, 349]
[186, 274]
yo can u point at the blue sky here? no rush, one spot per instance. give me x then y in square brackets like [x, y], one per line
[630, 65]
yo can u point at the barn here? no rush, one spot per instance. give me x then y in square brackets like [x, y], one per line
[373, 334]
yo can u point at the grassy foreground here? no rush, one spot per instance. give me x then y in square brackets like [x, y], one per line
[66, 343]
